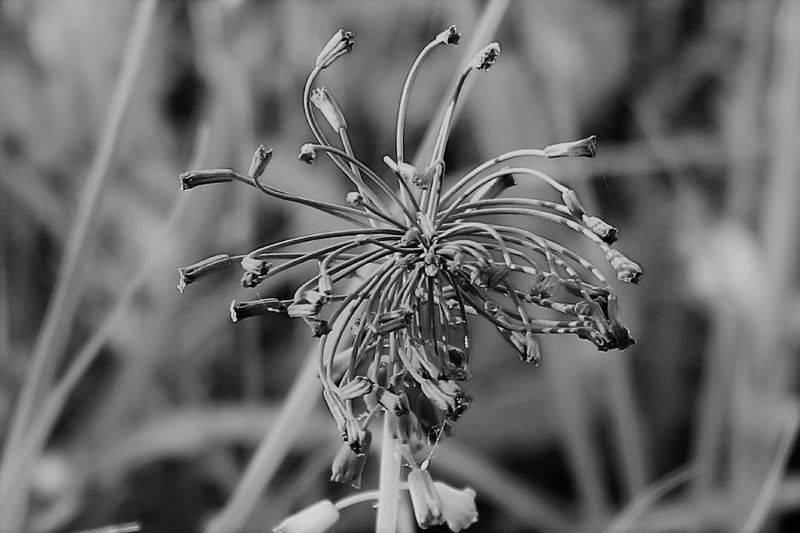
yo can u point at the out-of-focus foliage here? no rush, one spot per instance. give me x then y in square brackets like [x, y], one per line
[695, 107]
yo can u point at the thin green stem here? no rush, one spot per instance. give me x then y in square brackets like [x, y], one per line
[389, 489]
[62, 309]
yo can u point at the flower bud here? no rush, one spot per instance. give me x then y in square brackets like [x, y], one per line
[627, 270]
[356, 388]
[323, 100]
[308, 154]
[202, 268]
[261, 159]
[425, 499]
[608, 233]
[486, 57]
[242, 310]
[306, 306]
[458, 506]
[195, 178]
[582, 148]
[348, 465]
[354, 198]
[572, 202]
[317, 518]
[449, 36]
[255, 271]
[341, 43]
[447, 395]
[494, 188]
[545, 284]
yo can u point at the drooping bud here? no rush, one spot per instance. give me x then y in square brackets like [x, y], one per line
[315, 519]
[447, 395]
[425, 499]
[348, 465]
[572, 202]
[308, 154]
[195, 178]
[582, 148]
[533, 351]
[341, 43]
[261, 159]
[627, 270]
[394, 403]
[307, 305]
[356, 388]
[242, 310]
[255, 271]
[494, 188]
[458, 506]
[323, 100]
[449, 36]
[486, 57]
[203, 268]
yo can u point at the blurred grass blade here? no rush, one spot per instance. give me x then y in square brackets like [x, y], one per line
[61, 312]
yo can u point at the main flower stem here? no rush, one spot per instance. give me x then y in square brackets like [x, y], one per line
[389, 488]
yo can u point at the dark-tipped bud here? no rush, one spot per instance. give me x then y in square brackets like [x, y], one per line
[242, 310]
[354, 198]
[449, 36]
[255, 271]
[627, 270]
[608, 233]
[308, 154]
[195, 178]
[261, 159]
[494, 188]
[306, 306]
[323, 100]
[348, 465]
[582, 148]
[341, 43]
[486, 57]
[202, 268]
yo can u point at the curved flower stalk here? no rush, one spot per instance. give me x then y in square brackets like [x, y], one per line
[394, 298]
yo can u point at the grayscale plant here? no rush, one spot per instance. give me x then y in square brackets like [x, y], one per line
[395, 297]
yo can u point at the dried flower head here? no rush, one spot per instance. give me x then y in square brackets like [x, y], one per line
[395, 296]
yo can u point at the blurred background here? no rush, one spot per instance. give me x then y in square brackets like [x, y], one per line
[123, 400]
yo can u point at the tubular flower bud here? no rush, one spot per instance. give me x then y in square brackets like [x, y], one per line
[425, 499]
[356, 388]
[487, 57]
[494, 188]
[570, 199]
[449, 36]
[242, 310]
[348, 465]
[308, 154]
[255, 271]
[195, 178]
[605, 231]
[323, 100]
[203, 268]
[315, 519]
[458, 506]
[582, 148]
[627, 270]
[261, 159]
[341, 43]
[307, 306]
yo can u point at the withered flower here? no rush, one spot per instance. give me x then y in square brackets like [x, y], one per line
[395, 296]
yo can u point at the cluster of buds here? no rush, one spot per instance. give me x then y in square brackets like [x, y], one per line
[395, 297]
